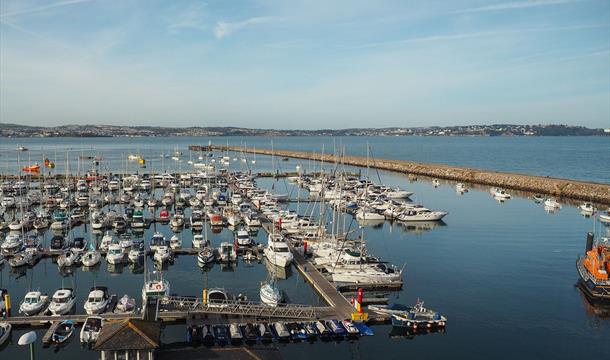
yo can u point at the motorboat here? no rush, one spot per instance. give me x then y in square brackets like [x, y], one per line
[587, 208]
[33, 303]
[369, 274]
[242, 238]
[337, 329]
[198, 241]
[368, 214]
[538, 198]
[125, 305]
[197, 219]
[115, 254]
[68, 258]
[552, 203]
[177, 221]
[421, 214]
[205, 256]
[97, 301]
[107, 239]
[63, 332]
[605, 217]
[125, 242]
[91, 258]
[79, 245]
[158, 239]
[91, 329]
[281, 331]
[221, 333]
[235, 333]
[270, 294]
[175, 242]
[23, 258]
[162, 254]
[350, 328]
[461, 188]
[501, 194]
[62, 301]
[278, 253]
[58, 242]
[227, 252]
[136, 254]
[12, 244]
[322, 329]
[137, 219]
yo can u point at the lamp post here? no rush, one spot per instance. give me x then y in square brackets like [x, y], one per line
[28, 339]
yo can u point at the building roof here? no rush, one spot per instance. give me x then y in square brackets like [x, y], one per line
[130, 334]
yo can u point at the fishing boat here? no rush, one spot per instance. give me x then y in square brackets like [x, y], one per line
[5, 332]
[63, 332]
[97, 301]
[33, 303]
[91, 329]
[270, 294]
[62, 302]
[594, 267]
[125, 305]
[419, 317]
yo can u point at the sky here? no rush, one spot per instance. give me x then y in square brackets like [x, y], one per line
[305, 64]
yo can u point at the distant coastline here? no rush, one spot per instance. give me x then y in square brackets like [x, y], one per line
[22, 131]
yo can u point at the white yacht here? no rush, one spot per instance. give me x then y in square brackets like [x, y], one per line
[175, 242]
[278, 253]
[97, 301]
[115, 254]
[243, 238]
[369, 274]
[33, 303]
[421, 214]
[91, 258]
[368, 214]
[158, 239]
[62, 302]
[198, 241]
[270, 294]
[162, 254]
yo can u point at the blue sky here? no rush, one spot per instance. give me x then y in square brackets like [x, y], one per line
[305, 64]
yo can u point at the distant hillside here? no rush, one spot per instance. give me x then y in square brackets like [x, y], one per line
[15, 130]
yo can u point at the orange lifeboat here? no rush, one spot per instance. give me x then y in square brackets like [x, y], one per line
[594, 269]
[31, 168]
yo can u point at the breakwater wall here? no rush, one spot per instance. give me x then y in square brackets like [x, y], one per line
[564, 188]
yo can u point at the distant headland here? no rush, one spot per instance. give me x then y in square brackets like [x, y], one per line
[15, 130]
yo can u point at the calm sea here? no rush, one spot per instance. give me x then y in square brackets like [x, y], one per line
[503, 273]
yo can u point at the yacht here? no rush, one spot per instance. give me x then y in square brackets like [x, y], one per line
[421, 214]
[242, 238]
[198, 241]
[91, 258]
[252, 219]
[97, 301]
[175, 242]
[162, 254]
[369, 274]
[62, 302]
[278, 253]
[368, 214]
[136, 253]
[11, 245]
[270, 294]
[33, 303]
[115, 254]
[158, 239]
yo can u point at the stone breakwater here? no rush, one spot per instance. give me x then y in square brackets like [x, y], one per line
[565, 188]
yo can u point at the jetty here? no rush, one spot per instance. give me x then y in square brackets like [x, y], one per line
[563, 188]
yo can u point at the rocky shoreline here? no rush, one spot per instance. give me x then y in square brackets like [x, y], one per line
[563, 188]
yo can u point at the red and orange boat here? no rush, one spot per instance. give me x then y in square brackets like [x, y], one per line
[594, 269]
[31, 168]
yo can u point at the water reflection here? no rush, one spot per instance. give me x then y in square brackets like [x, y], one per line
[408, 333]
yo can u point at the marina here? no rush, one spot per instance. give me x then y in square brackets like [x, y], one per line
[356, 203]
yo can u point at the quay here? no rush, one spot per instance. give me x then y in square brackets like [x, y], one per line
[563, 188]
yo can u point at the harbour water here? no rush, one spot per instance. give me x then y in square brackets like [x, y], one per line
[502, 272]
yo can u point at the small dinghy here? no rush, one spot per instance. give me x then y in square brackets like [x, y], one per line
[63, 332]
[91, 329]
[235, 333]
[5, 332]
[126, 305]
[221, 334]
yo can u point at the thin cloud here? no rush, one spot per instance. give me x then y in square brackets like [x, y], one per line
[518, 5]
[43, 8]
[460, 36]
[190, 18]
[224, 29]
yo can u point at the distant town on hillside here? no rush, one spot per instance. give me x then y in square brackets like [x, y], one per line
[15, 130]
